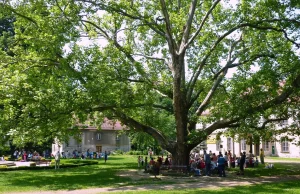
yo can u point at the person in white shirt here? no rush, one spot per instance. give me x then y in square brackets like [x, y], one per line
[57, 160]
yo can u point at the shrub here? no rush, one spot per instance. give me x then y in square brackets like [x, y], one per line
[118, 152]
[32, 164]
[3, 166]
[135, 153]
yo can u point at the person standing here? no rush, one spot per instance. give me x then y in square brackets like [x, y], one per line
[207, 161]
[105, 156]
[242, 163]
[221, 166]
[262, 155]
[146, 164]
[57, 160]
[229, 156]
[226, 159]
[139, 161]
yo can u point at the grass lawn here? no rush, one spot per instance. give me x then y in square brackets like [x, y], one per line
[105, 175]
[280, 169]
[282, 159]
[290, 187]
[68, 178]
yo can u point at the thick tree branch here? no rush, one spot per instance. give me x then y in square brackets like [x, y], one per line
[210, 129]
[210, 94]
[21, 15]
[202, 24]
[151, 57]
[256, 25]
[112, 9]
[188, 25]
[194, 98]
[234, 123]
[252, 58]
[169, 36]
[157, 135]
[104, 107]
[264, 124]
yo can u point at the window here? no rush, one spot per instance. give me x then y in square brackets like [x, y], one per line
[283, 123]
[266, 145]
[243, 144]
[229, 142]
[218, 145]
[284, 145]
[98, 136]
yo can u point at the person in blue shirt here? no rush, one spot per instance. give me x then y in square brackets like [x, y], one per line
[221, 165]
[207, 161]
[105, 156]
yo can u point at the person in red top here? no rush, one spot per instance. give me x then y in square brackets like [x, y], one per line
[25, 156]
[214, 158]
[229, 158]
[152, 162]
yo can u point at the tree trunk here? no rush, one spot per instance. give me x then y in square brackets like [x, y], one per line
[181, 155]
[181, 151]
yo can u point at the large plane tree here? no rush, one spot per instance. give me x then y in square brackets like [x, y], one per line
[156, 65]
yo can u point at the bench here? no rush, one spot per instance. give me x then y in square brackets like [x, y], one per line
[175, 168]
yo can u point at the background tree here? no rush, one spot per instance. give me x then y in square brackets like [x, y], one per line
[156, 65]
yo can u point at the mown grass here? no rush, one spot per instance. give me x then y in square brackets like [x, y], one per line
[100, 175]
[280, 169]
[291, 187]
[282, 159]
[106, 175]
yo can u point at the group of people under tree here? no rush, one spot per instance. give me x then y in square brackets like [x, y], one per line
[153, 166]
[212, 163]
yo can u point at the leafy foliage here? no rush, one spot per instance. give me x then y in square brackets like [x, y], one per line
[158, 66]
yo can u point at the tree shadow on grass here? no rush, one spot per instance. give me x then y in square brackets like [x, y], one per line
[66, 179]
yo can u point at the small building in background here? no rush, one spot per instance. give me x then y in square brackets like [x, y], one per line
[109, 138]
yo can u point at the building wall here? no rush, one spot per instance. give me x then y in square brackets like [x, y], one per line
[291, 149]
[105, 140]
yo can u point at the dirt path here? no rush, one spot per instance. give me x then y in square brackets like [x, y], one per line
[179, 183]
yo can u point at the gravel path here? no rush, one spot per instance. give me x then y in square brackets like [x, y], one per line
[182, 183]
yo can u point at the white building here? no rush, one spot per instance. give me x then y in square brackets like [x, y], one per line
[281, 147]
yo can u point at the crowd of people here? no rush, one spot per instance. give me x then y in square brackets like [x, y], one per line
[29, 155]
[212, 163]
[207, 163]
[153, 165]
[84, 155]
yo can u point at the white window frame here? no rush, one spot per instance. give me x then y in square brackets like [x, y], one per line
[285, 147]
[283, 123]
[98, 136]
[218, 143]
[229, 143]
[266, 145]
[243, 144]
